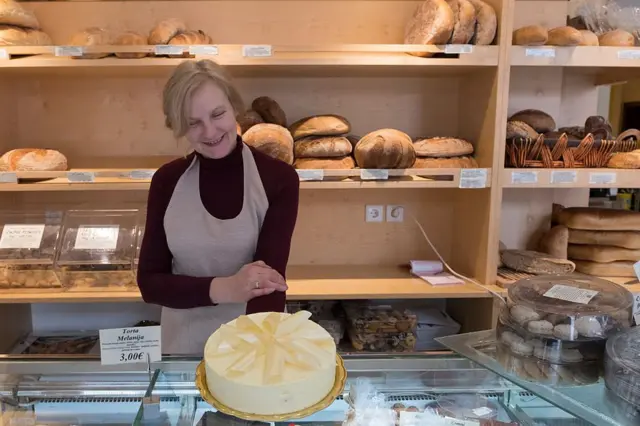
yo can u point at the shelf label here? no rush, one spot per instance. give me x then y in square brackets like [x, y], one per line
[473, 178]
[524, 177]
[81, 176]
[540, 52]
[4, 54]
[141, 174]
[374, 174]
[571, 294]
[257, 50]
[558, 176]
[21, 236]
[204, 50]
[97, 237]
[602, 178]
[68, 51]
[130, 345]
[167, 49]
[453, 49]
[8, 177]
[310, 174]
[628, 54]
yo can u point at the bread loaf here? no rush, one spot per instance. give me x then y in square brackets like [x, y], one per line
[540, 121]
[626, 239]
[432, 22]
[271, 139]
[618, 38]
[445, 163]
[602, 254]
[248, 119]
[165, 30]
[534, 262]
[599, 219]
[464, 16]
[353, 139]
[269, 110]
[442, 147]
[130, 38]
[531, 35]
[187, 38]
[12, 13]
[564, 36]
[32, 159]
[589, 38]
[610, 269]
[625, 160]
[320, 125]
[92, 36]
[385, 149]
[520, 129]
[555, 242]
[16, 36]
[322, 147]
[486, 23]
[341, 163]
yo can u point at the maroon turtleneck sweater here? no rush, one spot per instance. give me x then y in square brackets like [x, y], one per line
[221, 190]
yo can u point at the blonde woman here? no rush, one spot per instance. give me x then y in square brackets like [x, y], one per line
[219, 221]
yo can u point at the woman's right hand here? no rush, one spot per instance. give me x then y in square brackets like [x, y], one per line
[252, 280]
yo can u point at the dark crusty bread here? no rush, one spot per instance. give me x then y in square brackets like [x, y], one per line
[248, 119]
[385, 149]
[322, 147]
[540, 121]
[320, 125]
[269, 110]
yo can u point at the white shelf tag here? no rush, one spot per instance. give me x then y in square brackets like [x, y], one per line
[130, 345]
[473, 178]
[167, 49]
[524, 177]
[257, 50]
[8, 177]
[81, 176]
[571, 294]
[558, 176]
[540, 52]
[68, 51]
[628, 54]
[97, 237]
[453, 49]
[141, 174]
[21, 236]
[602, 178]
[4, 54]
[310, 174]
[204, 50]
[374, 174]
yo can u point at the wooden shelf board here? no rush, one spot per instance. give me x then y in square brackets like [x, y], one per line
[578, 178]
[585, 57]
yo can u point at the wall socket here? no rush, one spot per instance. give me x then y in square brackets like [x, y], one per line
[374, 213]
[395, 213]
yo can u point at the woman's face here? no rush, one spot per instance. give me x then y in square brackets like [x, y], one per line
[212, 123]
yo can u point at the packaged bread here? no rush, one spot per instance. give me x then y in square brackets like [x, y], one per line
[431, 23]
[271, 139]
[463, 162]
[486, 23]
[555, 242]
[442, 147]
[609, 269]
[320, 125]
[165, 30]
[520, 129]
[337, 163]
[626, 239]
[322, 147]
[385, 149]
[601, 254]
[598, 219]
[33, 159]
[540, 121]
[531, 35]
[269, 110]
[464, 16]
[130, 38]
[564, 36]
[589, 38]
[248, 119]
[92, 36]
[625, 160]
[16, 36]
[534, 262]
[12, 13]
[619, 38]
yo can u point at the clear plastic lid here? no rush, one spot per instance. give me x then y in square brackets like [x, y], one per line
[467, 406]
[29, 238]
[623, 349]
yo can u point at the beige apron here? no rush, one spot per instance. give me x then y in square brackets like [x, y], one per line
[204, 246]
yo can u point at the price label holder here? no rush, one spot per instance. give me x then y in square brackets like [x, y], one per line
[374, 174]
[628, 54]
[141, 174]
[257, 50]
[81, 176]
[68, 51]
[473, 178]
[602, 178]
[133, 345]
[4, 54]
[540, 52]
[458, 49]
[167, 49]
[310, 174]
[563, 177]
[8, 177]
[203, 50]
[520, 178]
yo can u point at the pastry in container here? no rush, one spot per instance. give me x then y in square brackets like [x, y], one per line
[622, 366]
[379, 342]
[378, 318]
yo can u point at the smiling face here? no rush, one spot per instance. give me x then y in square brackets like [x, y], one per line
[211, 122]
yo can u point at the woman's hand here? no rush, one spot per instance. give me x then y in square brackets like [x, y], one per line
[252, 280]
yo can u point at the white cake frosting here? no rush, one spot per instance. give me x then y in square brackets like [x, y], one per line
[270, 363]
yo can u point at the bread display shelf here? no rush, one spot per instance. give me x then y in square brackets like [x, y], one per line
[570, 178]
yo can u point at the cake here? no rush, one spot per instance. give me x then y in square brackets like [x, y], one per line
[270, 363]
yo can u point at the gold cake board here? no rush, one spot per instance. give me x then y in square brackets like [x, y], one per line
[336, 391]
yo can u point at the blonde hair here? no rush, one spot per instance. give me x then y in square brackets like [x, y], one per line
[185, 80]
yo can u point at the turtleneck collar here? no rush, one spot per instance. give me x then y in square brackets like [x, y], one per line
[233, 159]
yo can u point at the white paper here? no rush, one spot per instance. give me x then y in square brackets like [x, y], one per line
[596, 178]
[558, 176]
[21, 236]
[130, 345]
[374, 174]
[167, 49]
[458, 48]
[68, 51]
[629, 54]
[310, 174]
[4, 54]
[636, 308]
[97, 237]
[571, 294]
[81, 176]
[524, 177]
[257, 50]
[8, 177]
[540, 52]
[204, 50]
[482, 411]
[473, 178]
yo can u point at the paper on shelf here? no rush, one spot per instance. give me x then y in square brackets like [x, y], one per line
[426, 267]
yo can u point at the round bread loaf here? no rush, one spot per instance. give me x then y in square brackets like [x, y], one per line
[442, 147]
[271, 139]
[16, 36]
[564, 36]
[540, 121]
[165, 30]
[248, 119]
[445, 163]
[336, 163]
[322, 147]
[33, 159]
[269, 110]
[92, 36]
[520, 129]
[464, 15]
[320, 125]
[12, 13]
[589, 38]
[531, 35]
[130, 38]
[619, 38]
[385, 149]
[432, 22]
[353, 139]
[486, 23]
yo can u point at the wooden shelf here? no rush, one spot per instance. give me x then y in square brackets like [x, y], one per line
[570, 178]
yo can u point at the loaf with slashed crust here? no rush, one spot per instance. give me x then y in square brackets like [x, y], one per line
[486, 23]
[271, 139]
[385, 149]
[322, 147]
[12, 13]
[165, 30]
[32, 159]
[432, 22]
[531, 35]
[320, 125]
[442, 147]
[520, 129]
[463, 162]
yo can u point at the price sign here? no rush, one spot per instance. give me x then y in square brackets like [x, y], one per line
[453, 49]
[571, 294]
[21, 236]
[310, 174]
[524, 177]
[68, 51]
[4, 54]
[257, 50]
[560, 177]
[141, 174]
[167, 49]
[540, 52]
[81, 176]
[473, 178]
[598, 178]
[8, 177]
[374, 174]
[134, 345]
[629, 54]
[204, 50]
[97, 237]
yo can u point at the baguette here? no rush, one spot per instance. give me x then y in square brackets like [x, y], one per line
[601, 254]
[599, 219]
[625, 239]
[610, 269]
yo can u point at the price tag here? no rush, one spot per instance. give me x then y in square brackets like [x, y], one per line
[628, 54]
[540, 52]
[81, 176]
[571, 294]
[473, 178]
[141, 174]
[482, 411]
[68, 51]
[4, 54]
[167, 49]
[558, 176]
[310, 174]
[453, 49]
[204, 50]
[130, 345]
[374, 174]
[257, 50]
[8, 177]
[524, 177]
[21, 236]
[602, 178]
[449, 421]
[97, 237]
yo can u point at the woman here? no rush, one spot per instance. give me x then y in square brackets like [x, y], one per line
[219, 221]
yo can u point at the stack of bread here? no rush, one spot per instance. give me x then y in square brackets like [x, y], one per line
[20, 27]
[443, 152]
[321, 142]
[537, 35]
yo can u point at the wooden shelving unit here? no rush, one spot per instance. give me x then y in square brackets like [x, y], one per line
[570, 178]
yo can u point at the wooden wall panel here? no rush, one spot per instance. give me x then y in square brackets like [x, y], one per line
[546, 13]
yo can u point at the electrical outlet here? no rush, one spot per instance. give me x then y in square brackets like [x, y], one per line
[395, 213]
[374, 213]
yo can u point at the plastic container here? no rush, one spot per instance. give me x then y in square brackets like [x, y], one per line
[141, 223]
[622, 366]
[28, 243]
[379, 319]
[382, 342]
[466, 407]
[97, 250]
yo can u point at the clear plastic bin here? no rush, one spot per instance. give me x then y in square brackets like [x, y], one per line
[372, 318]
[622, 366]
[384, 342]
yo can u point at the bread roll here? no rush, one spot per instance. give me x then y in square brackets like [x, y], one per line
[602, 254]
[269, 110]
[626, 239]
[520, 129]
[531, 35]
[486, 23]
[445, 163]
[540, 121]
[320, 125]
[12, 13]
[432, 22]
[599, 219]
[189, 37]
[564, 36]
[271, 139]
[92, 36]
[555, 242]
[33, 159]
[442, 147]
[625, 160]
[341, 163]
[610, 269]
[464, 15]
[248, 119]
[534, 262]
[385, 149]
[618, 38]
[589, 38]
[165, 30]
[130, 38]
[322, 147]
[16, 36]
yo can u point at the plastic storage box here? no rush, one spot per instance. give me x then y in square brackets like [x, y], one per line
[622, 366]
[381, 327]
